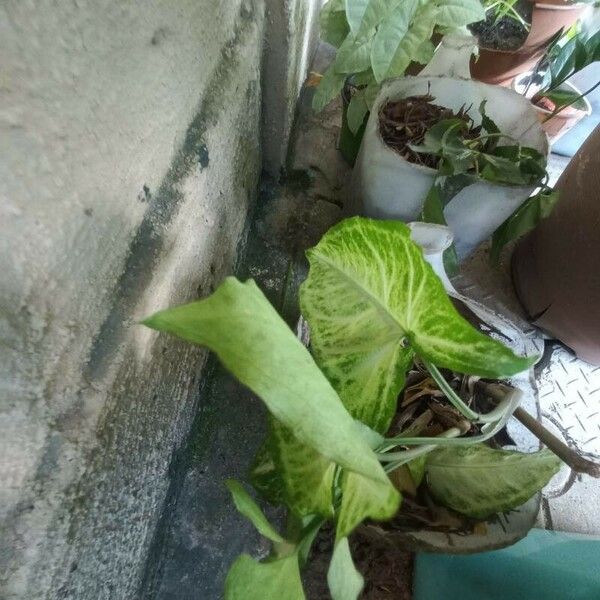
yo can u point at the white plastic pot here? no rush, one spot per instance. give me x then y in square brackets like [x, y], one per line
[385, 186]
[562, 122]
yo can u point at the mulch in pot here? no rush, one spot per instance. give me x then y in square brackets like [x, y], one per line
[405, 122]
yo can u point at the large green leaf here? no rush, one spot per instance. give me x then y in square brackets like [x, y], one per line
[345, 582]
[456, 13]
[362, 15]
[333, 23]
[248, 507]
[523, 220]
[357, 110]
[329, 87]
[307, 476]
[389, 37]
[370, 300]
[249, 579]
[364, 498]
[479, 481]
[354, 55]
[239, 324]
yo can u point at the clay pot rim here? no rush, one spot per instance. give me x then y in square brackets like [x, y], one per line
[588, 107]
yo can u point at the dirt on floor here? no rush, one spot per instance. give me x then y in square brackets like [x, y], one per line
[387, 572]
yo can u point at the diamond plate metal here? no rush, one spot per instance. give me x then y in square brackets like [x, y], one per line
[569, 396]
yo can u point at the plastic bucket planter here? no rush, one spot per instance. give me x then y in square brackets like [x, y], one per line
[562, 122]
[385, 186]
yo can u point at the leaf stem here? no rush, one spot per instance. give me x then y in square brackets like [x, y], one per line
[561, 108]
[492, 417]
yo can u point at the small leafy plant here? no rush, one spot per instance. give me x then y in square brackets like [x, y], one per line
[374, 305]
[500, 9]
[378, 39]
[565, 57]
[463, 152]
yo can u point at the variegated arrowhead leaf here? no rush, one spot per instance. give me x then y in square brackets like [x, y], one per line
[369, 294]
[479, 481]
[249, 579]
[239, 324]
[307, 476]
[364, 498]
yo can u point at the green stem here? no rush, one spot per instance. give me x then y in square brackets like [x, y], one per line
[491, 417]
[560, 109]
[452, 396]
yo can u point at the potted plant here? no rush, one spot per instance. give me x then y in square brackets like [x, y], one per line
[449, 150]
[377, 41]
[558, 103]
[374, 306]
[509, 46]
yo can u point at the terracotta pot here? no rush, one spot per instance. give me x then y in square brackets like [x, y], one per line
[560, 123]
[502, 66]
[555, 267]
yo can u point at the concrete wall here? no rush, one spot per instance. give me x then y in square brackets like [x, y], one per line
[129, 137]
[291, 36]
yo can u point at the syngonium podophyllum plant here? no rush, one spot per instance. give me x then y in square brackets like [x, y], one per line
[377, 40]
[373, 305]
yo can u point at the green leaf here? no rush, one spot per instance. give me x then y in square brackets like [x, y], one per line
[523, 220]
[264, 476]
[456, 13]
[424, 53]
[369, 293]
[433, 212]
[345, 582]
[416, 468]
[357, 110]
[333, 23]
[566, 97]
[364, 498]
[389, 37]
[479, 481]
[486, 122]
[307, 476]
[353, 56]
[329, 87]
[239, 324]
[246, 506]
[501, 170]
[364, 15]
[249, 579]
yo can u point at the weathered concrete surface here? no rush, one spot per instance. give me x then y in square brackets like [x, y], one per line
[201, 533]
[290, 42]
[129, 136]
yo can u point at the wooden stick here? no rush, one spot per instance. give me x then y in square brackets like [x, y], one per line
[571, 457]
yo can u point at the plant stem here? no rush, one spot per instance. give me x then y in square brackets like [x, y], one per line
[572, 458]
[560, 109]
[510, 398]
[407, 455]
